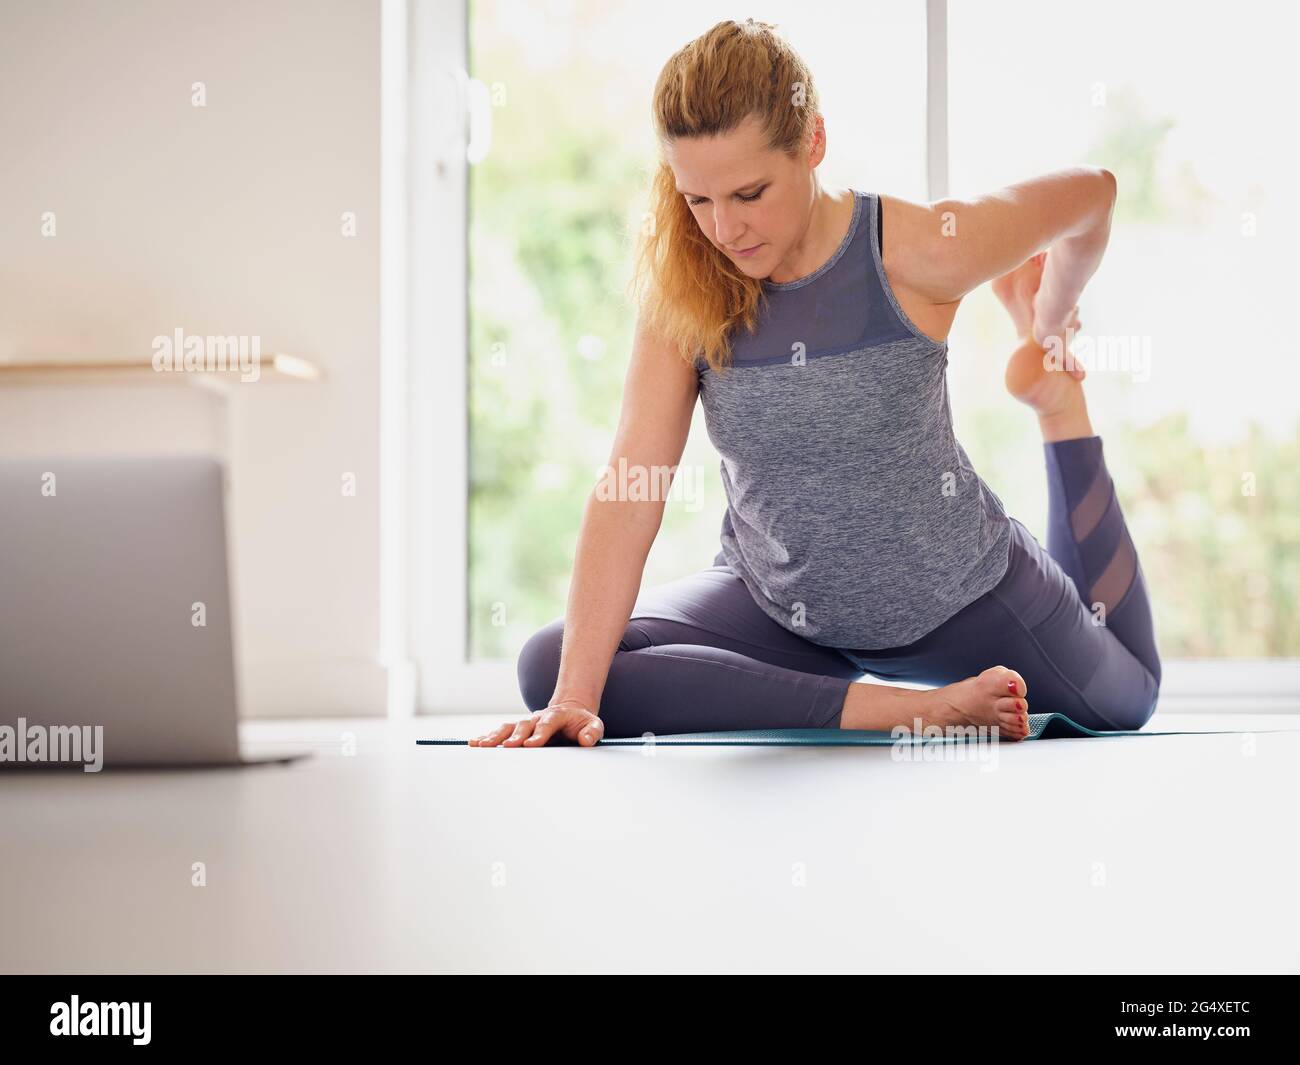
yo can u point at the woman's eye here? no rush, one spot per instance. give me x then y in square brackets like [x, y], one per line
[746, 199]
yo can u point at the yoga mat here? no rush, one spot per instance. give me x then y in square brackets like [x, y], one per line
[1041, 727]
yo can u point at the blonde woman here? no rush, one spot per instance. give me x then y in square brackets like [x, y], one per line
[811, 324]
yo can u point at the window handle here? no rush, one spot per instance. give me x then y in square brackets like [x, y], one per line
[474, 117]
[480, 122]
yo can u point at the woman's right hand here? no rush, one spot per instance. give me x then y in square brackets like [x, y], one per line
[1016, 291]
[567, 717]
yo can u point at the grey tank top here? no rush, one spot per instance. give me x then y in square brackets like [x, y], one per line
[853, 515]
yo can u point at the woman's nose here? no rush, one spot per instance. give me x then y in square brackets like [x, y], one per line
[726, 228]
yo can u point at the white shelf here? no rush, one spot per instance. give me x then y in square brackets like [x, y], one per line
[276, 366]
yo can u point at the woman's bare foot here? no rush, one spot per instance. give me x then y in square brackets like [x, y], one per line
[1055, 394]
[995, 697]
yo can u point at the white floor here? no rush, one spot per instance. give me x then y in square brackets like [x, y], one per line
[1152, 854]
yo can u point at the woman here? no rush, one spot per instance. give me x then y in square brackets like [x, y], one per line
[857, 537]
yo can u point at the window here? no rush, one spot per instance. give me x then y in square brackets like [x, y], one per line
[1200, 423]
[1189, 303]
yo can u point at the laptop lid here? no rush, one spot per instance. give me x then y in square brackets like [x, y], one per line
[115, 605]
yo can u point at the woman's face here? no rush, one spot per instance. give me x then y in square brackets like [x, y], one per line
[754, 204]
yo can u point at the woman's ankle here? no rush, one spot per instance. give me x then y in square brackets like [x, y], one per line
[878, 707]
[1068, 422]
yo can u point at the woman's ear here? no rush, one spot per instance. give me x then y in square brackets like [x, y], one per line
[817, 141]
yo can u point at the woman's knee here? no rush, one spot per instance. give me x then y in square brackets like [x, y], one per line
[1144, 706]
[538, 665]
[1156, 668]
[1129, 710]
[1153, 697]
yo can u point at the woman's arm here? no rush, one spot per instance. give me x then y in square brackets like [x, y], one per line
[943, 250]
[616, 533]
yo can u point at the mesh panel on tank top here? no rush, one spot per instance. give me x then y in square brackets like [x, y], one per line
[853, 515]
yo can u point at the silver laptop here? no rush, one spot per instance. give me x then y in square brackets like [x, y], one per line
[115, 612]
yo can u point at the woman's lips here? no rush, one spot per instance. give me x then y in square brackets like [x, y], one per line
[748, 251]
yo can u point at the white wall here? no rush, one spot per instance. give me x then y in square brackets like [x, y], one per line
[223, 219]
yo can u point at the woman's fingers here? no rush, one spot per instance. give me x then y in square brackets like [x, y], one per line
[1072, 326]
[545, 724]
[523, 730]
[536, 731]
[491, 739]
[591, 733]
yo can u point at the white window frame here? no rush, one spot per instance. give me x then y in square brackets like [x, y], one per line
[427, 96]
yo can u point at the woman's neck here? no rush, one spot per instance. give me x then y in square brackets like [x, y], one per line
[829, 218]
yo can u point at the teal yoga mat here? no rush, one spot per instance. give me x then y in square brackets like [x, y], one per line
[1041, 727]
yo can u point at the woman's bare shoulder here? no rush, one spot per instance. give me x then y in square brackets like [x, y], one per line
[912, 234]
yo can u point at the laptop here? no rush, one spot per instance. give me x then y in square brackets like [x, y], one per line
[115, 614]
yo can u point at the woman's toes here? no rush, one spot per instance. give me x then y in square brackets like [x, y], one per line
[1013, 682]
[1012, 728]
[1004, 681]
[1015, 706]
[1013, 716]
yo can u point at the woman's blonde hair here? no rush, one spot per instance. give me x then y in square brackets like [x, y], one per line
[687, 289]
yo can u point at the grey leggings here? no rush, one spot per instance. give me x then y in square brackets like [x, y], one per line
[1074, 620]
